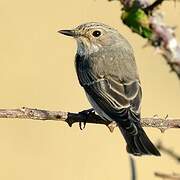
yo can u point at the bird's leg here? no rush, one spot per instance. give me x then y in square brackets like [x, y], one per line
[85, 114]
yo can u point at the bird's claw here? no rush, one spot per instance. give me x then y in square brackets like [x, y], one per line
[80, 125]
[85, 114]
[112, 126]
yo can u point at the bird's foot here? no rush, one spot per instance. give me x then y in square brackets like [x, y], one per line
[112, 126]
[85, 114]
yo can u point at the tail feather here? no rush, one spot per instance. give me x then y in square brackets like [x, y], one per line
[139, 144]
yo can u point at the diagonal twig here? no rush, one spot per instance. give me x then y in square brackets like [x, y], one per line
[173, 155]
[167, 176]
[153, 6]
[168, 151]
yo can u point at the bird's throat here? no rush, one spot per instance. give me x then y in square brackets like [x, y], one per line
[86, 48]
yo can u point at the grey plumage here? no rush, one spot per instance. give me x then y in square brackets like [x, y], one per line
[107, 71]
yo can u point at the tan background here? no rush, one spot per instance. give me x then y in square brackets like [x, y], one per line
[37, 70]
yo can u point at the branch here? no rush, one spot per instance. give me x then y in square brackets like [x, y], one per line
[154, 5]
[167, 176]
[71, 118]
[173, 155]
[168, 151]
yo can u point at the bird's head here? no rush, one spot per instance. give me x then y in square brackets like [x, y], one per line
[93, 36]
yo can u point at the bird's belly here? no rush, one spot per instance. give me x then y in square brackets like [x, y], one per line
[98, 110]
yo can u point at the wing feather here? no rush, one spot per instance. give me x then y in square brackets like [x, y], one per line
[112, 95]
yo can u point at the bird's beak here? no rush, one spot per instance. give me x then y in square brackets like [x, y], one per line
[68, 32]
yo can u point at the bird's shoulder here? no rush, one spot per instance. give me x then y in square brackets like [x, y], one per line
[118, 61]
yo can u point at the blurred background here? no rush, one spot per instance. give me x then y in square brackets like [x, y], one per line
[37, 70]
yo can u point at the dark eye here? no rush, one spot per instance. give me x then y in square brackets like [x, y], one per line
[96, 33]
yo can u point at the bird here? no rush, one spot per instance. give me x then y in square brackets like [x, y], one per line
[106, 69]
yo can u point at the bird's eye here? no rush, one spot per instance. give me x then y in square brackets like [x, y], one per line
[96, 33]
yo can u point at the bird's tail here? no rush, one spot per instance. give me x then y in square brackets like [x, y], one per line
[139, 144]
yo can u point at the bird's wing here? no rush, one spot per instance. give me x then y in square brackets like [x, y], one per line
[112, 96]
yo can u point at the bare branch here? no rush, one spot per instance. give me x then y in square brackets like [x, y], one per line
[168, 176]
[154, 5]
[71, 118]
[171, 153]
[168, 151]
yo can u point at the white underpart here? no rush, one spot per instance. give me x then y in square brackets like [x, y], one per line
[89, 49]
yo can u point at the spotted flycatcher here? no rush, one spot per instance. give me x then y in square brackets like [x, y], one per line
[107, 71]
